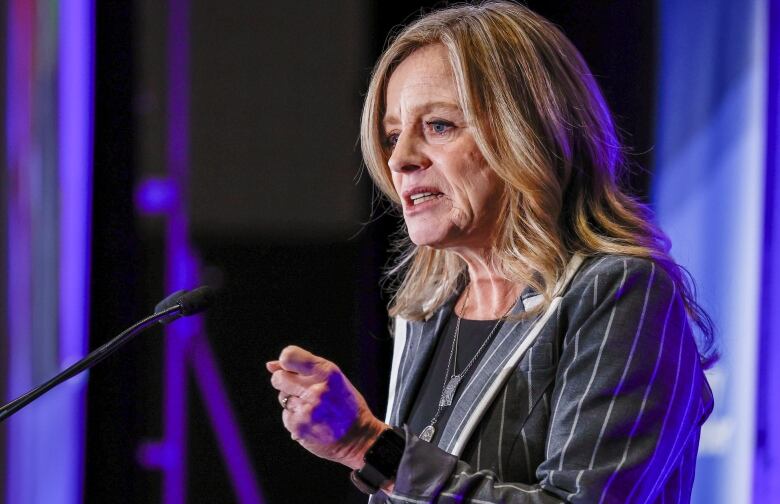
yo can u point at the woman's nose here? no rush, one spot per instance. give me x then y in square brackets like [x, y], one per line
[408, 154]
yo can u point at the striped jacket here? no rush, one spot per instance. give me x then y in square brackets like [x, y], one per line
[605, 404]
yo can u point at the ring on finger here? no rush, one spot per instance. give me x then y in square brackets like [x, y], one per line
[284, 401]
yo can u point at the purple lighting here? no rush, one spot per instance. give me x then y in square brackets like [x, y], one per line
[185, 343]
[766, 476]
[224, 424]
[76, 47]
[20, 47]
[156, 196]
[49, 140]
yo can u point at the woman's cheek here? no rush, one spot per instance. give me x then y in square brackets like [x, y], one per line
[459, 215]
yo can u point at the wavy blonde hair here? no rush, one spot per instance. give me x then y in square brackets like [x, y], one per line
[542, 125]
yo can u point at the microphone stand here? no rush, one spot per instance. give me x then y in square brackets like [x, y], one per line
[93, 358]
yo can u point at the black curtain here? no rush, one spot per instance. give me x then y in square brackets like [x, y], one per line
[116, 398]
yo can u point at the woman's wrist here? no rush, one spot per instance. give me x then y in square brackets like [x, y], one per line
[369, 434]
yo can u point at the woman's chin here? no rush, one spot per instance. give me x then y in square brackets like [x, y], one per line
[423, 239]
[429, 239]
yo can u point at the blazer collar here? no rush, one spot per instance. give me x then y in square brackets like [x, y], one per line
[502, 355]
[501, 349]
[420, 342]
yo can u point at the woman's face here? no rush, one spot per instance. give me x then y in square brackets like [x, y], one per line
[450, 196]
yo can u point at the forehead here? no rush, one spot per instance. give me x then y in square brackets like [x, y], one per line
[424, 77]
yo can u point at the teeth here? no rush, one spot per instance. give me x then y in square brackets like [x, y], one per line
[423, 197]
[420, 195]
[426, 198]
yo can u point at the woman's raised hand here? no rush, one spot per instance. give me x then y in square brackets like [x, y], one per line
[322, 410]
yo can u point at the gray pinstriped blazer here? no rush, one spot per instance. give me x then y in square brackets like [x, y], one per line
[605, 405]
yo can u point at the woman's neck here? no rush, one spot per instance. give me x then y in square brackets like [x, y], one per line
[490, 295]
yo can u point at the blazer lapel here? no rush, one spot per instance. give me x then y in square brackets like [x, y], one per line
[509, 338]
[420, 343]
[498, 362]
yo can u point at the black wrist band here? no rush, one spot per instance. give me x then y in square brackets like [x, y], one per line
[361, 484]
[381, 461]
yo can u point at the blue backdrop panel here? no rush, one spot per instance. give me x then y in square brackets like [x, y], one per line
[708, 194]
[48, 129]
[767, 468]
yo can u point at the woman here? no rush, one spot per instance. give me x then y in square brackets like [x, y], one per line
[543, 341]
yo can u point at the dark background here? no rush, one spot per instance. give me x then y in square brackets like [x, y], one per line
[277, 215]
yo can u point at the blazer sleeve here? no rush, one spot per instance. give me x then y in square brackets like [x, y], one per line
[627, 404]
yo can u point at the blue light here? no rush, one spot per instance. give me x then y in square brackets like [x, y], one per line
[76, 77]
[708, 195]
[49, 166]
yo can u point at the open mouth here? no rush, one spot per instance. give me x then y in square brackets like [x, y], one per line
[422, 197]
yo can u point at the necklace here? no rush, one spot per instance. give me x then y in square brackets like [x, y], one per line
[451, 382]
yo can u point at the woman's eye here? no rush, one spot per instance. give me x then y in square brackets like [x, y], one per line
[391, 140]
[439, 127]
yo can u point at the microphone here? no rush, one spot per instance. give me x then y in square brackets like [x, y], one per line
[189, 303]
[196, 300]
[170, 301]
[179, 304]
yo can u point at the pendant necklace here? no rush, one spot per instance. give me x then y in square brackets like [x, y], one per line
[451, 382]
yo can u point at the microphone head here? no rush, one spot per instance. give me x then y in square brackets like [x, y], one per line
[196, 301]
[170, 301]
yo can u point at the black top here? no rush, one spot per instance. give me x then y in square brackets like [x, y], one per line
[472, 334]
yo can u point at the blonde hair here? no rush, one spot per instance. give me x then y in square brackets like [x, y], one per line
[542, 125]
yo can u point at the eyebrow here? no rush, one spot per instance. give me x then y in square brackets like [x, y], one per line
[422, 109]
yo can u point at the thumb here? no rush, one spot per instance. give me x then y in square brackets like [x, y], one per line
[298, 360]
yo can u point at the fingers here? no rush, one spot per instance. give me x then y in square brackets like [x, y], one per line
[296, 417]
[293, 383]
[284, 399]
[290, 402]
[298, 360]
[320, 406]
